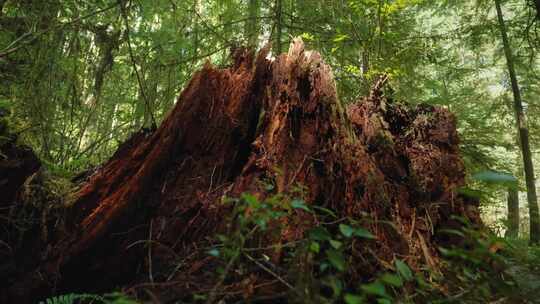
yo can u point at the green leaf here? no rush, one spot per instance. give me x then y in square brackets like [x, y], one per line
[323, 266]
[340, 37]
[403, 270]
[494, 177]
[300, 204]
[307, 36]
[213, 252]
[199, 297]
[375, 288]
[277, 214]
[336, 259]
[252, 201]
[220, 270]
[269, 187]
[336, 244]
[363, 233]
[453, 232]
[319, 234]
[326, 210]
[392, 279]
[314, 247]
[114, 298]
[334, 283]
[346, 230]
[353, 299]
[261, 222]
[473, 193]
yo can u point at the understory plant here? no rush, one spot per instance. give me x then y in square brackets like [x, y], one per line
[313, 269]
[319, 268]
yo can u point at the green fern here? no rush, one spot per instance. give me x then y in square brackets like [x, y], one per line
[72, 298]
[118, 298]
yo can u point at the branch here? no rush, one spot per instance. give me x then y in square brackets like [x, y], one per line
[10, 49]
[139, 80]
[176, 62]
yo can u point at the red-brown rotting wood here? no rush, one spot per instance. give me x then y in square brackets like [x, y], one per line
[275, 120]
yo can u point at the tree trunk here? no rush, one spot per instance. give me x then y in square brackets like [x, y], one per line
[251, 31]
[512, 230]
[523, 133]
[266, 127]
[278, 7]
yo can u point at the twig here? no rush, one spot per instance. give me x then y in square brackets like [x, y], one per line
[225, 41]
[269, 271]
[150, 275]
[211, 180]
[152, 296]
[134, 63]
[274, 246]
[335, 222]
[376, 89]
[7, 245]
[6, 51]
[193, 58]
[213, 293]
[412, 225]
[153, 242]
[96, 144]
[266, 298]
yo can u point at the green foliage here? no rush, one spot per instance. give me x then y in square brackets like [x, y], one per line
[479, 268]
[71, 80]
[483, 267]
[72, 298]
[524, 267]
[404, 270]
[489, 185]
[326, 250]
[492, 177]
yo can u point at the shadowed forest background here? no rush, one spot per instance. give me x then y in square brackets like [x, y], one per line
[79, 78]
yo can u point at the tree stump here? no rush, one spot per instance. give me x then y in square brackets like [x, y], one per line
[234, 130]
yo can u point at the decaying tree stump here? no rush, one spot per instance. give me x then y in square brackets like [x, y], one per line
[277, 121]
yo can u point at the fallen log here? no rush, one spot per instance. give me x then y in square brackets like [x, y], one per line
[237, 130]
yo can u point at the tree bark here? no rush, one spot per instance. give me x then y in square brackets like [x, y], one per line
[278, 7]
[523, 133]
[251, 31]
[513, 214]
